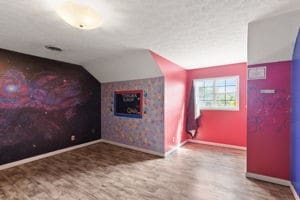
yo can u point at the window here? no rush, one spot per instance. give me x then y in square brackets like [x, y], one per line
[220, 93]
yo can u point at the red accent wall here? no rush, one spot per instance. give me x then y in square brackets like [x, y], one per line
[174, 101]
[268, 132]
[227, 127]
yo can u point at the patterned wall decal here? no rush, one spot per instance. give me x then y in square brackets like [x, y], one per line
[147, 132]
[261, 117]
[45, 105]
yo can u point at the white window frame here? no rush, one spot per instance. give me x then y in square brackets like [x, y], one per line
[196, 94]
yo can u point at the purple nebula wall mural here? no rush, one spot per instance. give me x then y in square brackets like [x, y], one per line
[45, 105]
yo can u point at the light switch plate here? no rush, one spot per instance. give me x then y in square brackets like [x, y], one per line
[268, 91]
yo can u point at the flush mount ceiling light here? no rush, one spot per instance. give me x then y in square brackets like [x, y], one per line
[79, 15]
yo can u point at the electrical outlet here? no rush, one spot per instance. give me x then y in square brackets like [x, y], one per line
[173, 139]
[73, 138]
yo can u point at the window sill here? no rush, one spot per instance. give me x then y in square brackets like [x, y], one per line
[220, 109]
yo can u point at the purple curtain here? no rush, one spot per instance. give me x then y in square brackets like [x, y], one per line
[193, 118]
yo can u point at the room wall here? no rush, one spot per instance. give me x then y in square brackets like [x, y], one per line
[271, 43]
[272, 39]
[147, 132]
[226, 127]
[269, 122]
[295, 137]
[45, 105]
[174, 102]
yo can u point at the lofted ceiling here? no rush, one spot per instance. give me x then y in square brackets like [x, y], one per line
[191, 33]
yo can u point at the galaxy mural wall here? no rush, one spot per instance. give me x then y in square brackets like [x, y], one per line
[45, 105]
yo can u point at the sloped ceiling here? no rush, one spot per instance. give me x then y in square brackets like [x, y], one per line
[126, 65]
[272, 39]
[191, 33]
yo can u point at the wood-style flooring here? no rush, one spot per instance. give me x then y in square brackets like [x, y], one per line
[104, 171]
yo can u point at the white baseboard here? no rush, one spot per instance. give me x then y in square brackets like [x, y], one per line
[270, 179]
[275, 181]
[34, 158]
[146, 150]
[218, 144]
[134, 148]
[175, 148]
[26, 160]
[296, 196]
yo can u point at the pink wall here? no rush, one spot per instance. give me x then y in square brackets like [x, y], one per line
[227, 127]
[268, 132]
[174, 101]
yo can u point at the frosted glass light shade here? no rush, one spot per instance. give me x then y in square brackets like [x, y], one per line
[79, 16]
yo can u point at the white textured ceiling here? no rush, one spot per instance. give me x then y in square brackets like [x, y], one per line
[191, 33]
[273, 39]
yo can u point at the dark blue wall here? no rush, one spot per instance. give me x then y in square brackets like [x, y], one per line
[296, 116]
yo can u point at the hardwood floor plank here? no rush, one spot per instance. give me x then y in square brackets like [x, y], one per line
[103, 171]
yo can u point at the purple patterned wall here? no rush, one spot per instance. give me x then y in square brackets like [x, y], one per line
[148, 132]
[45, 105]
